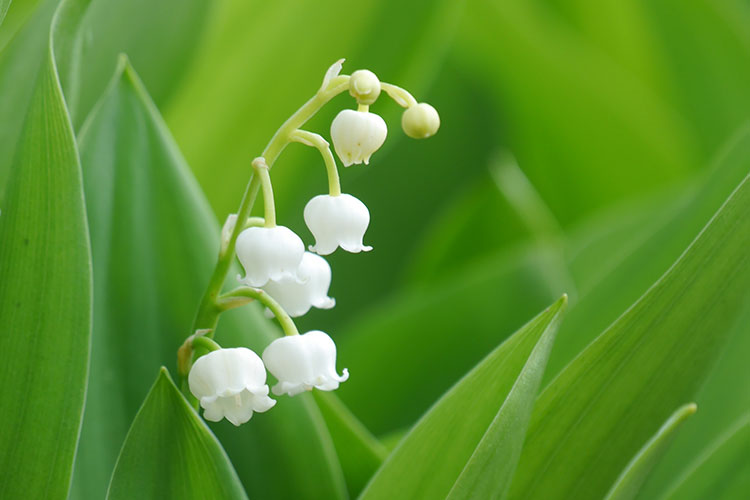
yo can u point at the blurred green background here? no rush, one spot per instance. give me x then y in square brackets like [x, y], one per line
[577, 154]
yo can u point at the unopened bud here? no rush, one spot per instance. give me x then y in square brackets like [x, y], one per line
[364, 86]
[420, 121]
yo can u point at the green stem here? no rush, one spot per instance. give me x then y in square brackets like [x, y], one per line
[243, 295]
[208, 310]
[259, 164]
[317, 141]
[205, 343]
[402, 97]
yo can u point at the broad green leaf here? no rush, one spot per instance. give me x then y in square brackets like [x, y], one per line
[468, 444]
[170, 453]
[90, 34]
[594, 415]
[600, 244]
[359, 451]
[638, 270]
[20, 62]
[45, 302]
[154, 243]
[630, 481]
[431, 336]
[722, 472]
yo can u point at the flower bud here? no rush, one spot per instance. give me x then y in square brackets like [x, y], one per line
[296, 297]
[420, 121]
[268, 253]
[364, 86]
[230, 383]
[357, 135]
[301, 362]
[337, 221]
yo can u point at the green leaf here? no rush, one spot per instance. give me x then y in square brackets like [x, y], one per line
[423, 332]
[359, 451]
[643, 265]
[154, 243]
[90, 34]
[45, 302]
[630, 481]
[468, 444]
[595, 414]
[723, 400]
[170, 453]
[20, 62]
[722, 472]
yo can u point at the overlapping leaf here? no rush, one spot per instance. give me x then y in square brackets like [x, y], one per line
[358, 450]
[480, 422]
[154, 243]
[723, 400]
[721, 472]
[670, 235]
[169, 453]
[630, 481]
[429, 337]
[45, 302]
[593, 416]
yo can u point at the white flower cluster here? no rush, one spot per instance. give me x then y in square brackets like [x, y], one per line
[231, 383]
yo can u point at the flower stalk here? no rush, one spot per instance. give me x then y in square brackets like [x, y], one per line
[275, 262]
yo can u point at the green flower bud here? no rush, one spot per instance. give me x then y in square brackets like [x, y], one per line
[364, 86]
[420, 121]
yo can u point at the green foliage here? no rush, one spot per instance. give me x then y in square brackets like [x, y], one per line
[170, 453]
[474, 457]
[429, 328]
[589, 420]
[630, 481]
[4, 4]
[359, 451]
[90, 34]
[577, 154]
[154, 240]
[722, 471]
[45, 302]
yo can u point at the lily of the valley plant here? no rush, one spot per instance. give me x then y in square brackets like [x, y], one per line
[279, 273]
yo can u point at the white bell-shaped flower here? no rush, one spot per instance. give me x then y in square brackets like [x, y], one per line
[357, 135]
[301, 362]
[297, 296]
[230, 383]
[337, 221]
[268, 253]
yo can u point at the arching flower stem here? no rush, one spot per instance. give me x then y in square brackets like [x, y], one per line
[205, 343]
[401, 96]
[244, 295]
[208, 311]
[316, 140]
